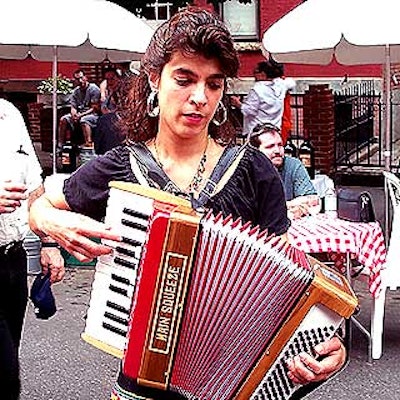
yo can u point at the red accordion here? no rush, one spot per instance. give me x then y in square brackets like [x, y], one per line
[209, 307]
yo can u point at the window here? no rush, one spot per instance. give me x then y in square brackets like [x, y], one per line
[158, 11]
[242, 19]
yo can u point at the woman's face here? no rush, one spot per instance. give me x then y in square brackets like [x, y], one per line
[190, 88]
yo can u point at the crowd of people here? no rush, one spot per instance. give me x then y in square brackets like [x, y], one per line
[178, 136]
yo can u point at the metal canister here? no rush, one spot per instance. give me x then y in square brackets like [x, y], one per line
[32, 245]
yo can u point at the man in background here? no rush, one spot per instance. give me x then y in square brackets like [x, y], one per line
[109, 132]
[265, 102]
[301, 196]
[110, 90]
[85, 103]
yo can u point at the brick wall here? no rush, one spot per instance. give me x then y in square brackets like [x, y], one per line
[319, 125]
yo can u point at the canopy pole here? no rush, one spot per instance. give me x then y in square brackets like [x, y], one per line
[387, 153]
[388, 117]
[54, 103]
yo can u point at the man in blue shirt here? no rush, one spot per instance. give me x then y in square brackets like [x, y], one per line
[301, 196]
[85, 103]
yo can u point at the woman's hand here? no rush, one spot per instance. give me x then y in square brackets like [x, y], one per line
[305, 369]
[72, 231]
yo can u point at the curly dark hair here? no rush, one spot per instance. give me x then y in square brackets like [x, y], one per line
[191, 31]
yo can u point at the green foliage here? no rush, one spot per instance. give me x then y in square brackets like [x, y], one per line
[64, 85]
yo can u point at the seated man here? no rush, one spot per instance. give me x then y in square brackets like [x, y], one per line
[84, 112]
[300, 194]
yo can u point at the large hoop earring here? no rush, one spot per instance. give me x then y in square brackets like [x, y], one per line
[222, 112]
[153, 108]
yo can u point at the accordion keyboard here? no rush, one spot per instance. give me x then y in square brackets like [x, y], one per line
[115, 277]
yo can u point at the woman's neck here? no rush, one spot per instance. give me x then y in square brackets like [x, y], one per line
[187, 162]
[180, 149]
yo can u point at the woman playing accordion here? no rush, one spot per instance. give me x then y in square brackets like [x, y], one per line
[179, 140]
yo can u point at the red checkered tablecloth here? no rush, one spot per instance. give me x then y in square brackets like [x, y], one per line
[323, 233]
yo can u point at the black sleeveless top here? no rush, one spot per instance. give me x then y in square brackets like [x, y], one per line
[254, 192]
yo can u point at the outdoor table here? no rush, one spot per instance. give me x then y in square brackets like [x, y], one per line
[325, 233]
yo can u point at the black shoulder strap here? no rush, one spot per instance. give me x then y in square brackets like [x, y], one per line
[149, 172]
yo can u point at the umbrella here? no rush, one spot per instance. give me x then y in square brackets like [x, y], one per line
[353, 31]
[87, 31]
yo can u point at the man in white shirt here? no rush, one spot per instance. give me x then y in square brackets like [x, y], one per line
[265, 101]
[20, 184]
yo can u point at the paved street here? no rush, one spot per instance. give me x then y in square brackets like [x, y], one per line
[58, 365]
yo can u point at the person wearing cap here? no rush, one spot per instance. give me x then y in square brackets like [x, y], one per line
[20, 184]
[300, 194]
[265, 101]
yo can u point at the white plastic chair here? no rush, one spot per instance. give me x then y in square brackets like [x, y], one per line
[391, 275]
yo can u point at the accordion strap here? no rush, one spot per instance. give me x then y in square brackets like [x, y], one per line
[149, 173]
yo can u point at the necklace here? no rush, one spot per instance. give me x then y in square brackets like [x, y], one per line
[157, 154]
[198, 176]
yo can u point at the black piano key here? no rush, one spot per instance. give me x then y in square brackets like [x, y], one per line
[259, 395]
[135, 213]
[320, 335]
[119, 290]
[297, 345]
[271, 387]
[305, 343]
[116, 318]
[126, 252]
[314, 336]
[120, 279]
[135, 225]
[125, 263]
[132, 242]
[117, 307]
[114, 329]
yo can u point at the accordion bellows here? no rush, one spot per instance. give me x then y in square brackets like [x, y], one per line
[207, 306]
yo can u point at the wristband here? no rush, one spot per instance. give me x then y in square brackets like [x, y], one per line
[50, 244]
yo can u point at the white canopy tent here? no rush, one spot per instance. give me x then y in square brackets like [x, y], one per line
[355, 32]
[87, 31]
